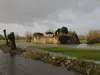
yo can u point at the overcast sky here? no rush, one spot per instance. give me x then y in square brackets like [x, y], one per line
[40, 15]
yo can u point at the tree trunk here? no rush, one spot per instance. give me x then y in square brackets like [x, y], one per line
[11, 38]
[7, 43]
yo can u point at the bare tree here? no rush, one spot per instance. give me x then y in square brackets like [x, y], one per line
[28, 36]
[17, 36]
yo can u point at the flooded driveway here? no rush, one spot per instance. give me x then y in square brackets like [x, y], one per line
[32, 67]
[5, 64]
[18, 65]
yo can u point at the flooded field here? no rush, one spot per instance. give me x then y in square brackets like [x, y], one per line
[18, 65]
[25, 45]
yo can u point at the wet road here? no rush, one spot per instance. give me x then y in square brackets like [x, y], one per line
[5, 64]
[18, 65]
[32, 67]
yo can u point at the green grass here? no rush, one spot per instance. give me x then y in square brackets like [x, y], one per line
[4, 48]
[98, 44]
[83, 41]
[20, 40]
[3, 41]
[91, 54]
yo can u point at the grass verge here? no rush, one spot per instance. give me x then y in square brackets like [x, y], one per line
[80, 53]
[83, 41]
[4, 48]
[81, 66]
[98, 44]
[20, 40]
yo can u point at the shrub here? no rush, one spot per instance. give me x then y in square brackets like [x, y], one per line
[93, 36]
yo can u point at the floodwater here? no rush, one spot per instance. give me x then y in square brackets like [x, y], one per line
[33, 67]
[18, 65]
[86, 46]
[25, 45]
[5, 64]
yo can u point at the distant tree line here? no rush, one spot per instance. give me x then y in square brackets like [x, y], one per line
[92, 37]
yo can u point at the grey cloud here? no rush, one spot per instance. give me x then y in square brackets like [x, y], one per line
[51, 13]
[26, 11]
[23, 11]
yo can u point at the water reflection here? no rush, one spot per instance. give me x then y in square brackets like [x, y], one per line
[88, 46]
[25, 45]
[5, 64]
[18, 65]
[79, 46]
[32, 67]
